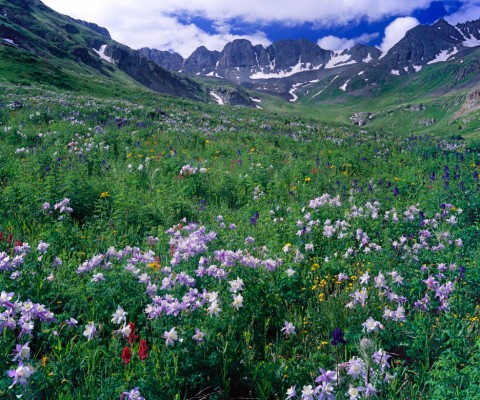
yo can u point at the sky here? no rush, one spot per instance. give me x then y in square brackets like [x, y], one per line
[184, 25]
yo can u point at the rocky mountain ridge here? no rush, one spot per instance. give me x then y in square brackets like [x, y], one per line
[285, 65]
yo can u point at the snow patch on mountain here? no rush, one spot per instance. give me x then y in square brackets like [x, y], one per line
[471, 41]
[368, 58]
[9, 41]
[299, 67]
[216, 97]
[344, 86]
[339, 60]
[444, 56]
[293, 90]
[101, 53]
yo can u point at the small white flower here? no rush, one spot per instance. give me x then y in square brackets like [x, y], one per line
[119, 316]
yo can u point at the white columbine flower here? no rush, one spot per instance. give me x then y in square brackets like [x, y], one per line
[119, 316]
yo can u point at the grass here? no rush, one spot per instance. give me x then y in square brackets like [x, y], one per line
[281, 220]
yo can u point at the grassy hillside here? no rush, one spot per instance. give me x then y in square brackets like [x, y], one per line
[183, 250]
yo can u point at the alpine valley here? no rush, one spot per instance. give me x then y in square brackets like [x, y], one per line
[265, 223]
[426, 82]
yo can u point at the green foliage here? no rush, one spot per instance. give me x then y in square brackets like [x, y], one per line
[123, 166]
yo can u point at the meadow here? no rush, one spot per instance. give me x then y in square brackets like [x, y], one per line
[156, 248]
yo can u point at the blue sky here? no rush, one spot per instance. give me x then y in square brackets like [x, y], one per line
[183, 25]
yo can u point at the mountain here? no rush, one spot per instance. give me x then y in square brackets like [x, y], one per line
[168, 60]
[71, 48]
[94, 27]
[39, 45]
[287, 66]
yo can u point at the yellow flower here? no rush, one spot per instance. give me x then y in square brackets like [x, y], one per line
[104, 195]
[155, 265]
[308, 179]
[44, 361]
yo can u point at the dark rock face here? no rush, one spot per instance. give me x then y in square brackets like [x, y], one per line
[202, 61]
[362, 53]
[468, 70]
[152, 75]
[470, 29]
[94, 27]
[241, 56]
[423, 44]
[288, 53]
[83, 55]
[239, 53]
[166, 59]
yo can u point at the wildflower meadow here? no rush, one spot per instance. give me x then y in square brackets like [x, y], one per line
[153, 248]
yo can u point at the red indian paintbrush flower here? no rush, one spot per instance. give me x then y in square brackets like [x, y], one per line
[126, 355]
[143, 350]
[132, 337]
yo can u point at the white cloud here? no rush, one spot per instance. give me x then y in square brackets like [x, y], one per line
[153, 23]
[469, 11]
[336, 43]
[396, 31]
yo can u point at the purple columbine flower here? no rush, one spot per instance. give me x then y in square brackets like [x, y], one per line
[291, 393]
[199, 336]
[326, 376]
[90, 331]
[133, 394]
[22, 352]
[20, 375]
[288, 329]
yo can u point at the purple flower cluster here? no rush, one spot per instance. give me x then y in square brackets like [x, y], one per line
[183, 248]
[21, 316]
[365, 375]
[133, 256]
[325, 200]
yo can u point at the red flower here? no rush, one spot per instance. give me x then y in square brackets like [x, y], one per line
[126, 355]
[132, 338]
[143, 351]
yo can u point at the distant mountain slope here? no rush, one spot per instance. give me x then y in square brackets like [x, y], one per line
[67, 43]
[286, 66]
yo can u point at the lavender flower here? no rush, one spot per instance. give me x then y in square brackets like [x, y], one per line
[199, 336]
[170, 337]
[20, 374]
[90, 331]
[133, 394]
[291, 393]
[22, 352]
[288, 329]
